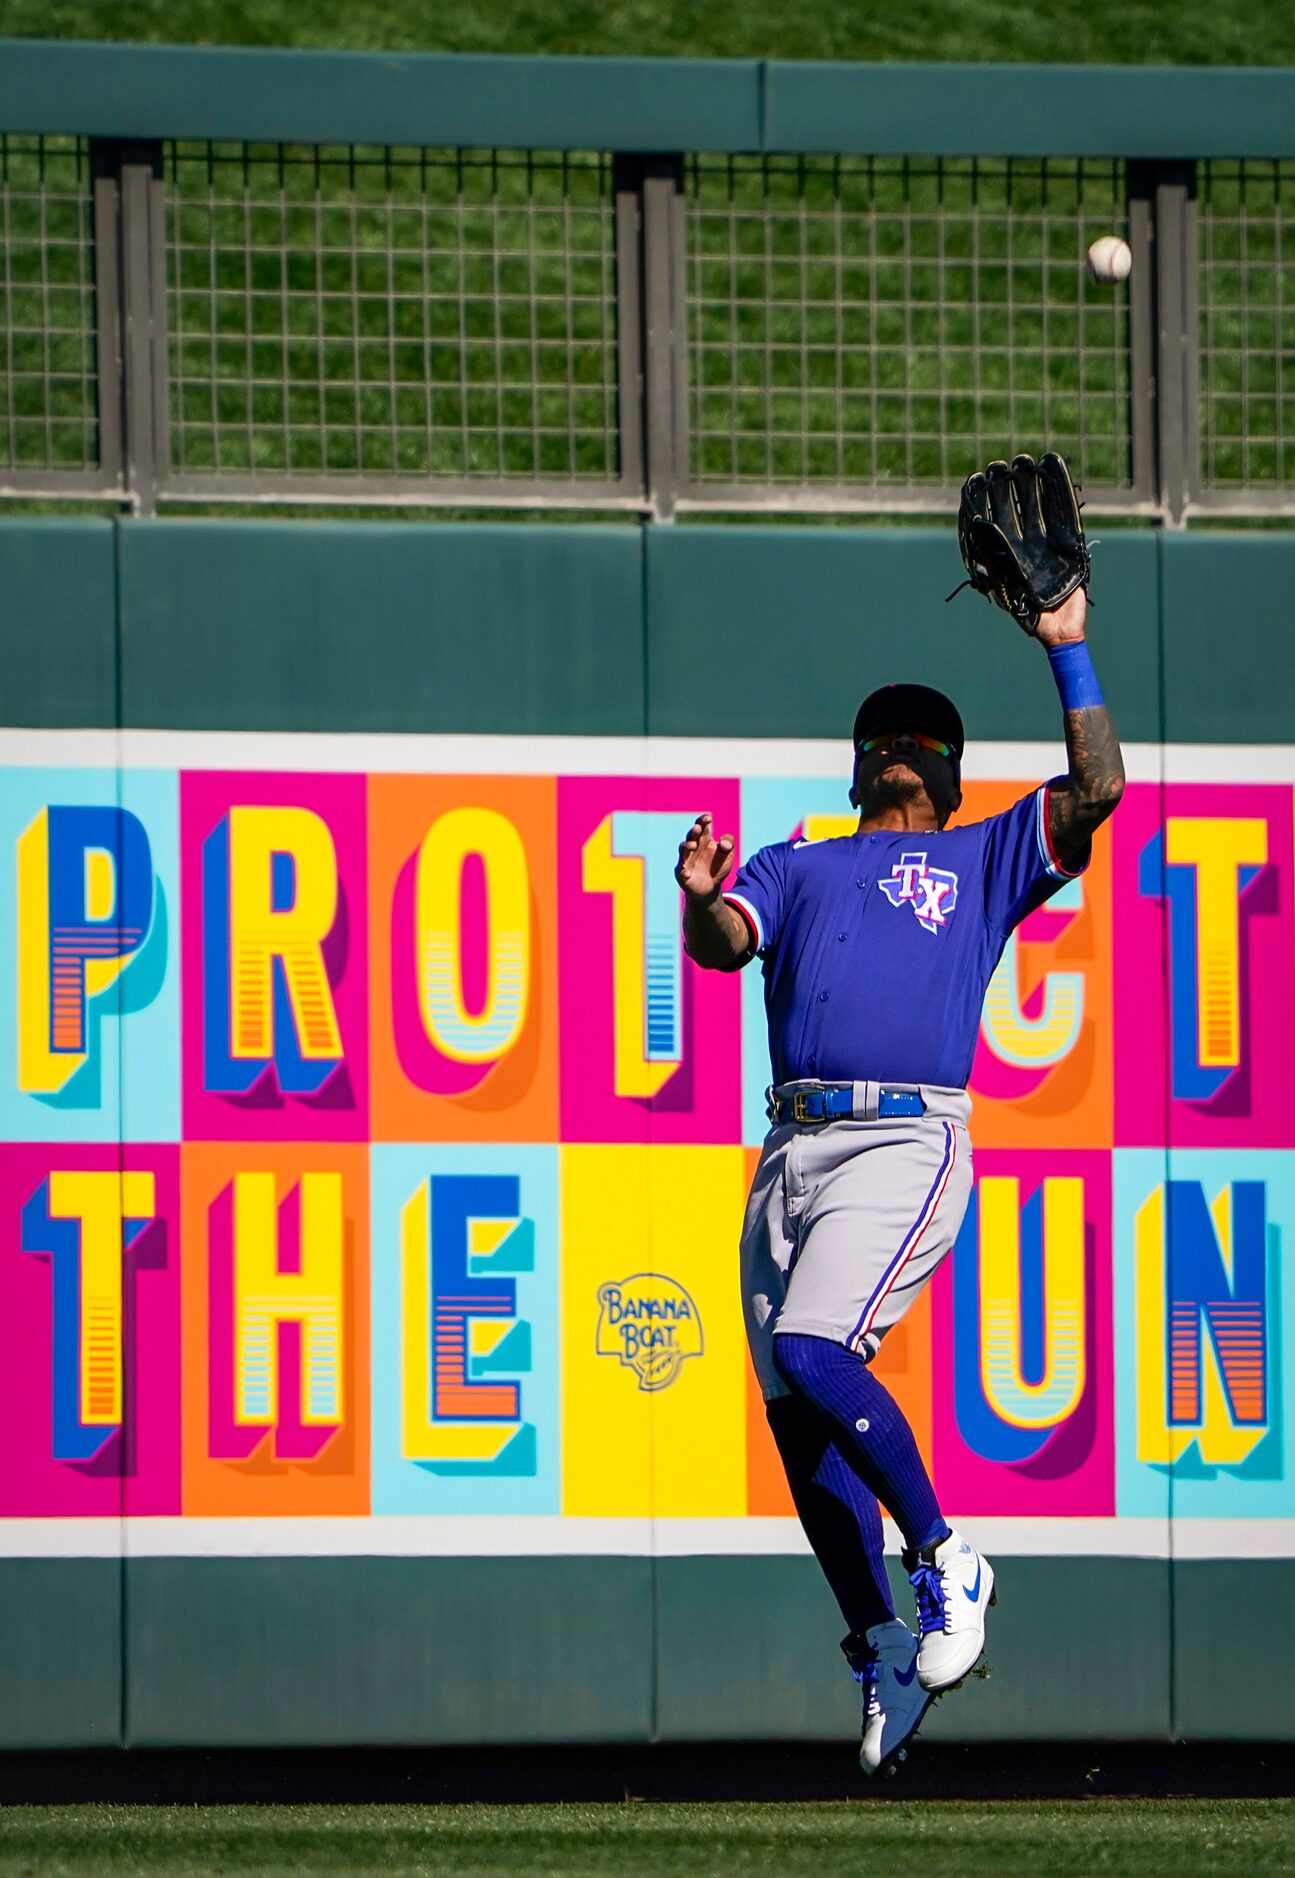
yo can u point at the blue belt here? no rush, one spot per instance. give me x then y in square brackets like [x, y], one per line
[834, 1102]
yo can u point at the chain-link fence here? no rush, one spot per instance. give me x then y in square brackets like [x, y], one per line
[403, 314]
[49, 417]
[895, 322]
[225, 321]
[1247, 325]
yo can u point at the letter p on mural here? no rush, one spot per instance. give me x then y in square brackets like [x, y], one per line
[85, 905]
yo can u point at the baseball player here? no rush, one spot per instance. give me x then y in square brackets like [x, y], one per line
[877, 948]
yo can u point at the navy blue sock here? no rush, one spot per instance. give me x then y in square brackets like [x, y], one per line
[868, 1425]
[840, 1515]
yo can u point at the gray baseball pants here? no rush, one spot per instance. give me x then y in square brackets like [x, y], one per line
[848, 1220]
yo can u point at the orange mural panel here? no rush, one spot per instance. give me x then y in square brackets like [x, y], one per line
[463, 958]
[1043, 1070]
[275, 1249]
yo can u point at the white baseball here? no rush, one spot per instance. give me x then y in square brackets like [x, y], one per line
[1110, 258]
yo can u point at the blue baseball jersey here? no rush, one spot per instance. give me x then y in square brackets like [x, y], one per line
[878, 948]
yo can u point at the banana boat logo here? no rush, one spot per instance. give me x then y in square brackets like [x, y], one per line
[650, 1324]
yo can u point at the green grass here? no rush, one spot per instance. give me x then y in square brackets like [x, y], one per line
[1198, 32]
[1141, 1837]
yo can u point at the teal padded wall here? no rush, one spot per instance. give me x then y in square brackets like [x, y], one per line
[739, 631]
[1227, 613]
[381, 627]
[271, 1652]
[778, 632]
[58, 626]
[61, 1657]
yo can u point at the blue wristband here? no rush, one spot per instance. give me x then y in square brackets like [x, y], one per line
[1076, 680]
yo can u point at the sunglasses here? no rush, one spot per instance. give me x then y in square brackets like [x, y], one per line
[919, 737]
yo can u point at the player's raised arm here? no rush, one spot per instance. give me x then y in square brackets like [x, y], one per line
[1021, 537]
[714, 934]
[1096, 780]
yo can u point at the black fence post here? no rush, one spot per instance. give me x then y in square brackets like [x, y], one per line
[1166, 330]
[130, 274]
[655, 303]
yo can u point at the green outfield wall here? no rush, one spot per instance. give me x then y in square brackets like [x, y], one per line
[535, 1537]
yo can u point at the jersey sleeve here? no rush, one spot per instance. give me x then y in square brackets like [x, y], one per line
[758, 890]
[1022, 868]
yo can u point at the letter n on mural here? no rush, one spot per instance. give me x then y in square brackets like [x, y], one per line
[1203, 1315]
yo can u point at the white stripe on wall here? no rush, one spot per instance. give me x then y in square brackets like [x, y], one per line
[485, 1536]
[595, 756]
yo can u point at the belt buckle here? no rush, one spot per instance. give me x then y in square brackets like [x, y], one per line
[800, 1106]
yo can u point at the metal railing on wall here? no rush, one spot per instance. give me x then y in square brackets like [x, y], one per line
[219, 319]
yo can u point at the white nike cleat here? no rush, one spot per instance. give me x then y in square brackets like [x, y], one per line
[894, 1701]
[954, 1587]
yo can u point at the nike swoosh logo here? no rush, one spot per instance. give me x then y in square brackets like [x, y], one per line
[900, 1677]
[974, 1592]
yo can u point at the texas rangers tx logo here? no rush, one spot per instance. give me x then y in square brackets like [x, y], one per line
[932, 892]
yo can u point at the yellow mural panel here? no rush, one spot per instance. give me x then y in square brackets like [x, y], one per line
[653, 1356]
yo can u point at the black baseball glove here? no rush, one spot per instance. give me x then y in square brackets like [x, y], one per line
[1021, 538]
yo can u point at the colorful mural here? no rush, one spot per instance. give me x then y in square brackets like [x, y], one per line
[372, 1149]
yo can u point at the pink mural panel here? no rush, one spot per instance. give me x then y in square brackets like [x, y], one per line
[1204, 967]
[650, 1045]
[274, 965]
[1021, 1336]
[90, 1331]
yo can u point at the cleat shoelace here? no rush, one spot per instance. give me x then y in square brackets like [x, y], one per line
[928, 1588]
[864, 1671]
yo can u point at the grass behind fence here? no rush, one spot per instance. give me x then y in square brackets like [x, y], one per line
[396, 313]
[1195, 32]
[884, 320]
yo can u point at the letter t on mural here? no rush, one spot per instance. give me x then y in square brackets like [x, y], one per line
[90, 1330]
[1205, 967]
[648, 1040]
[631, 856]
[1203, 866]
[86, 1221]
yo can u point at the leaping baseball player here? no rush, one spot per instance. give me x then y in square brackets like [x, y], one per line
[877, 949]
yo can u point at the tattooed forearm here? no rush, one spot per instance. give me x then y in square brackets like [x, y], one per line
[715, 935]
[1094, 785]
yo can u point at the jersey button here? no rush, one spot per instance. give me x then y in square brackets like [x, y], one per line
[811, 1062]
[858, 883]
[840, 935]
[822, 997]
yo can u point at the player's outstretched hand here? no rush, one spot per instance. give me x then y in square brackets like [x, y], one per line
[704, 862]
[1065, 623]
